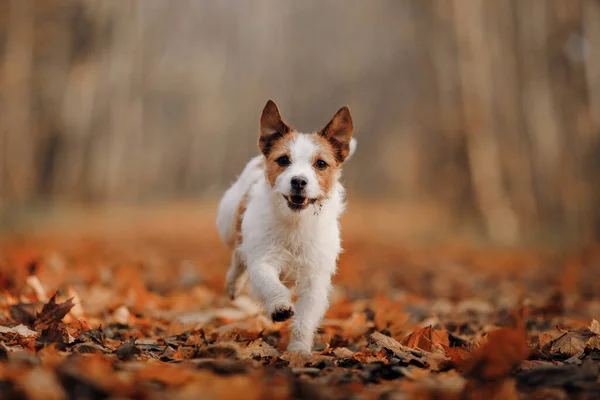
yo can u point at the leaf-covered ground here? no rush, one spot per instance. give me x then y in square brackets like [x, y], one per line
[137, 310]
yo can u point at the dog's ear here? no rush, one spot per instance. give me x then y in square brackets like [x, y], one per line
[339, 133]
[272, 127]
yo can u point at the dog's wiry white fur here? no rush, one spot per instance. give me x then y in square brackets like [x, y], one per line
[282, 244]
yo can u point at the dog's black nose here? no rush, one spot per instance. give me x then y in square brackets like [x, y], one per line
[298, 182]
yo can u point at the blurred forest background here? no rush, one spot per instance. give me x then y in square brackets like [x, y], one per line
[487, 110]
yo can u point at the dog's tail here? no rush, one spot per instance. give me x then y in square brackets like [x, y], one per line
[353, 144]
[230, 201]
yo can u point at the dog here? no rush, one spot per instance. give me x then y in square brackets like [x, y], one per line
[280, 220]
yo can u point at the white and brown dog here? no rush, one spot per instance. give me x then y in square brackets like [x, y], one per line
[280, 218]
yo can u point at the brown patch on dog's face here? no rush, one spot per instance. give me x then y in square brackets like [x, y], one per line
[325, 164]
[279, 149]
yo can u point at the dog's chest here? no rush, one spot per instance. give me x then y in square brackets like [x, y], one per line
[297, 239]
[309, 241]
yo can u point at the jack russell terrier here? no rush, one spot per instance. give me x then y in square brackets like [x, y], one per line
[280, 219]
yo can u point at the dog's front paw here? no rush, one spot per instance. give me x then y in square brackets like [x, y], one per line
[282, 313]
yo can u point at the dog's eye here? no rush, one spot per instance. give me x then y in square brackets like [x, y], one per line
[320, 164]
[283, 161]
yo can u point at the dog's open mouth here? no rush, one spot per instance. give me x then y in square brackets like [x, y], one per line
[297, 202]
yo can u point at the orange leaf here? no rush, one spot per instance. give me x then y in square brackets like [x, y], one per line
[457, 354]
[428, 339]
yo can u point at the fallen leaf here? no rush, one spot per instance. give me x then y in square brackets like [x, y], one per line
[24, 313]
[593, 343]
[595, 327]
[220, 351]
[570, 343]
[89, 348]
[52, 312]
[428, 339]
[296, 360]
[406, 354]
[546, 338]
[343, 352]
[530, 364]
[127, 351]
[457, 355]
[257, 348]
[21, 330]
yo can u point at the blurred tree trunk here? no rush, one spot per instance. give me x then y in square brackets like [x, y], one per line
[591, 27]
[476, 62]
[17, 156]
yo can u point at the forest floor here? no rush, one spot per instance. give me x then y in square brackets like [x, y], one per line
[112, 306]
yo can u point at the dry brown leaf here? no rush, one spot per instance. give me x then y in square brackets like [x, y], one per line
[428, 339]
[530, 364]
[547, 337]
[595, 327]
[21, 330]
[52, 312]
[296, 360]
[178, 354]
[402, 352]
[257, 348]
[593, 343]
[570, 343]
[343, 352]
[457, 355]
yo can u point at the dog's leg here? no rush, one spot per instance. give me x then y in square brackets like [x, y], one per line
[234, 281]
[266, 286]
[313, 300]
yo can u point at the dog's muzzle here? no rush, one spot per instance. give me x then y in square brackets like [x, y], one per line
[297, 202]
